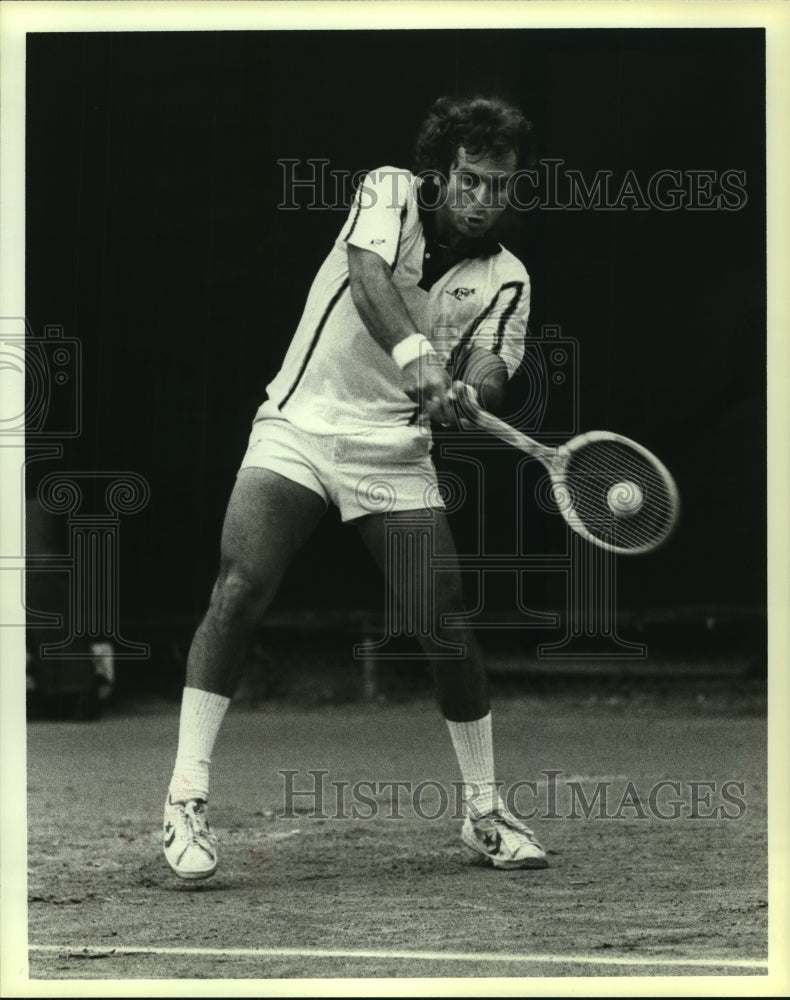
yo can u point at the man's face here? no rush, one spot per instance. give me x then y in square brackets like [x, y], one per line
[476, 192]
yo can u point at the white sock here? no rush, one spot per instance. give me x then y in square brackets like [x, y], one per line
[202, 713]
[475, 752]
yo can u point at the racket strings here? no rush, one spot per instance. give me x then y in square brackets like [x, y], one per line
[597, 469]
[618, 495]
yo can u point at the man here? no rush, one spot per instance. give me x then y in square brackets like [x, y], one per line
[415, 292]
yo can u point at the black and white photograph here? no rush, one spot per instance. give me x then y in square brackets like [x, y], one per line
[391, 429]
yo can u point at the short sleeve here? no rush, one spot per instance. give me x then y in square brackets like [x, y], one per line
[502, 327]
[379, 212]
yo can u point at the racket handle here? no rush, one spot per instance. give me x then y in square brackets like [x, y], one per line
[474, 416]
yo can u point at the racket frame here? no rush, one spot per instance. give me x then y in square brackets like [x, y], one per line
[555, 461]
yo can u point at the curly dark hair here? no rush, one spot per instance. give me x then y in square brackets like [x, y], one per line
[483, 125]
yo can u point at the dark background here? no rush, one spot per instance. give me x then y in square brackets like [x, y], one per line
[153, 236]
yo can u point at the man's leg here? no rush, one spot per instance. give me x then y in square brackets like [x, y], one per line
[267, 520]
[460, 683]
[461, 688]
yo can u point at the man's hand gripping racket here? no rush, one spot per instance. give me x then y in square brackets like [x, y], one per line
[609, 489]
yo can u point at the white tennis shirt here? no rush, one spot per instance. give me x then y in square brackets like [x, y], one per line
[335, 378]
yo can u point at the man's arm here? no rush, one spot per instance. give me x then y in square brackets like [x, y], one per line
[487, 374]
[376, 298]
[387, 319]
[495, 340]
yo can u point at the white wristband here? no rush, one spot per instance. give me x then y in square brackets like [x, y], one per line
[411, 347]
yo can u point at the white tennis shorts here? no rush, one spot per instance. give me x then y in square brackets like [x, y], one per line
[379, 471]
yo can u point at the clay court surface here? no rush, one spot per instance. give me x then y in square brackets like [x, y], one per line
[310, 897]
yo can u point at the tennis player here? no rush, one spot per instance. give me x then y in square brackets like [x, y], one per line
[415, 293]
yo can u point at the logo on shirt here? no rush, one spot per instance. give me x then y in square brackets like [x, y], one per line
[461, 293]
[377, 243]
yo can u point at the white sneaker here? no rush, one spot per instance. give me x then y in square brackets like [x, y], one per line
[190, 846]
[503, 840]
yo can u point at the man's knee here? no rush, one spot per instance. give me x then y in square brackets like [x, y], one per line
[241, 594]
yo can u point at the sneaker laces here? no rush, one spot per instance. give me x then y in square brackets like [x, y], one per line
[194, 817]
[510, 829]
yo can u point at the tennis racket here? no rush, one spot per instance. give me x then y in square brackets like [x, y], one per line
[609, 489]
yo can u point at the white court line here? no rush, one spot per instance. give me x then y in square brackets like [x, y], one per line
[411, 956]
